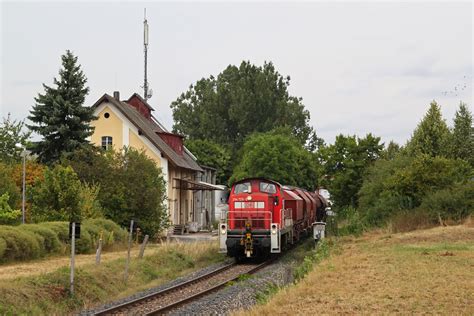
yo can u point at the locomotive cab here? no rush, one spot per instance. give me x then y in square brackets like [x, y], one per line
[252, 226]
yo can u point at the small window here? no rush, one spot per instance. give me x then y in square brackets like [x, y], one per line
[106, 142]
[106, 115]
[267, 187]
[242, 187]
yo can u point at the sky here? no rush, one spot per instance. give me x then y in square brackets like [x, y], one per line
[360, 67]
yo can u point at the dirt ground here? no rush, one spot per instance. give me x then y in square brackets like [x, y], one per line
[421, 272]
[45, 265]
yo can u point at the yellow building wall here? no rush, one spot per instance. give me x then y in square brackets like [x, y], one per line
[111, 126]
[137, 143]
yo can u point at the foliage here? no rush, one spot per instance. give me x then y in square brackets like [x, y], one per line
[276, 156]
[31, 241]
[211, 154]
[454, 202]
[130, 186]
[402, 183]
[11, 134]
[462, 139]
[344, 164]
[354, 224]
[58, 196]
[240, 101]
[59, 115]
[7, 185]
[89, 202]
[391, 151]
[431, 136]
[8, 216]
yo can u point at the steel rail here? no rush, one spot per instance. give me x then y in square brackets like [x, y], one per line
[116, 308]
[167, 308]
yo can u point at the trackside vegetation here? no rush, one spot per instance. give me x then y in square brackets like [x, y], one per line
[48, 293]
[33, 241]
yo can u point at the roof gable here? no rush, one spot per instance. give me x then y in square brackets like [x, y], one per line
[148, 130]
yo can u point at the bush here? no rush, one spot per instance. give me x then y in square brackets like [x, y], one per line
[112, 232]
[354, 224]
[50, 243]
[8, 216]
[453, 203]
[20, 245]
[61, 229]
[31, 241]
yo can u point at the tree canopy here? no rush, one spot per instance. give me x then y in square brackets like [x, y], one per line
[431, 136]
[462, 139]
[59, 115]
[279, 157]
[240, 101]
[12, 135]
[211, 154]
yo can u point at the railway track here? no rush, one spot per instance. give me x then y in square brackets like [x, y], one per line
[168, 299]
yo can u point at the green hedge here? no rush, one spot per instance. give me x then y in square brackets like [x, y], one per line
[31, 241]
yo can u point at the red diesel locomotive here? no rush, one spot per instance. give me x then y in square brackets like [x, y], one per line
[265, 217]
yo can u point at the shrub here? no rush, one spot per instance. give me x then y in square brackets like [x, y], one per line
[20, 245]
[50, 238]
[354, 224]
[61, 229]
[453, 203]
[112, 231]
[57, 197]
[8, 216]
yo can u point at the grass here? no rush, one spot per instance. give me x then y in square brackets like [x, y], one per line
[429, 271]
[48, 293]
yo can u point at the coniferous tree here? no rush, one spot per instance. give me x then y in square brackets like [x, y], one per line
[462, 140]
[431, 136]
[59, 115]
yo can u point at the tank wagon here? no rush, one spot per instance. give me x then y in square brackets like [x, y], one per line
[265, 217]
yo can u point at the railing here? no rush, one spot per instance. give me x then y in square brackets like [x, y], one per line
[238, 219]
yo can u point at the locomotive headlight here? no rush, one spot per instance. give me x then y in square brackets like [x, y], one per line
[223, 229]
[274, 229]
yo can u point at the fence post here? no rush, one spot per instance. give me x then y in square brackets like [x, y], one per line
[73, 251]
[130, 236]
[99, 250]
[142, 248]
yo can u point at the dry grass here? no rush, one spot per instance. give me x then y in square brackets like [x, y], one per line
[430, 271]
[47, 293]
[46, 265]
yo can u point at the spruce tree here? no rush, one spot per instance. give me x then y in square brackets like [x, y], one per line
[462, 139]
[59, 115]
[431, 136]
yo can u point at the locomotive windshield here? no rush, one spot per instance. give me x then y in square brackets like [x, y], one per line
[242, 187]
[267, 187]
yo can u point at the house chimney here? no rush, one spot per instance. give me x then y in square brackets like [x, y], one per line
[117, 95]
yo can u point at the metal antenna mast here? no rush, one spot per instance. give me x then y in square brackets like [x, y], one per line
[146, 94]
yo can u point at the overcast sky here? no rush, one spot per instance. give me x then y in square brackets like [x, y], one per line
[360, 67]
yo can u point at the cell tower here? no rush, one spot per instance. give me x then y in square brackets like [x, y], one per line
[147, 93]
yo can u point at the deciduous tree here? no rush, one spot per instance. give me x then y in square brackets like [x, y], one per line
[240, 101]
[12, 134]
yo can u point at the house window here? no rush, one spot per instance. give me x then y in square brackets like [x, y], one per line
[107, 142]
